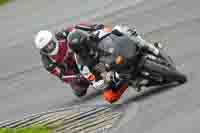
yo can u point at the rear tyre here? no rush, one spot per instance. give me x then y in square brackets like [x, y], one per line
[167, 73]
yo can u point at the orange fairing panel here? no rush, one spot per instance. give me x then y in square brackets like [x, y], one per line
[113, 96]
[108, 29]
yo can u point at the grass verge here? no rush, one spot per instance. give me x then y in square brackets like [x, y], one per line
[4, 1]
[26, 130]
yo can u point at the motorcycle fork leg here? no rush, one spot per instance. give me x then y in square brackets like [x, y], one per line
[138, 83]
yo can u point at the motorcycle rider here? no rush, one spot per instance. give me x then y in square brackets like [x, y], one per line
[57, 58]
[85, 47]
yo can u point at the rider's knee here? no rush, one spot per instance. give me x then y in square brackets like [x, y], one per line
[79, 89]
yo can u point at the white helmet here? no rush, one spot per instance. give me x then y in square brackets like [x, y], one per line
[44, 41]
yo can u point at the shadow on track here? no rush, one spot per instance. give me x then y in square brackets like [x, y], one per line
[151, 92]
[145, 95]
[140, 96]
[84, 99]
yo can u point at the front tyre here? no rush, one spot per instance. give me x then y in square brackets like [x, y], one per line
[165, 72]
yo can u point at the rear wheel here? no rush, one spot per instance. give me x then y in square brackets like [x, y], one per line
[164, 71]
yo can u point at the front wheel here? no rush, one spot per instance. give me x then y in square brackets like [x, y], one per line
[165, 72]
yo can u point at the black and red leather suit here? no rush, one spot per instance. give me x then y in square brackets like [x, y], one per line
[64, 63]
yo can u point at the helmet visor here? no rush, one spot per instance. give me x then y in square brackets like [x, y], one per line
[49, 47]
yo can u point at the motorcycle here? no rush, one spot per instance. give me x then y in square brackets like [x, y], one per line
[143, 67]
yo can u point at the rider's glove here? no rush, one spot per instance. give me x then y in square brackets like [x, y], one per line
[61, 35]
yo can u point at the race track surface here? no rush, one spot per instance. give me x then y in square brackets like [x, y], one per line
[26, 88]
